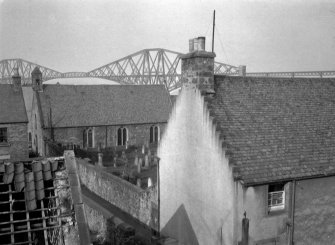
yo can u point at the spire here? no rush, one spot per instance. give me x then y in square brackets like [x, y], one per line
[36, 76]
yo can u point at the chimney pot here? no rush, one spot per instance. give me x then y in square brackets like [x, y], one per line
[195, 44]
[242, 70]
[201, 43]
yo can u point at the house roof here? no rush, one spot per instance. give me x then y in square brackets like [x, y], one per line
[276, 129]
[94, 105]
[28, 98]
[12, 108]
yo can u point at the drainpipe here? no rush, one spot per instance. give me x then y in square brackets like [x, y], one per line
[159, 200]
[106, 134]
[292, 213]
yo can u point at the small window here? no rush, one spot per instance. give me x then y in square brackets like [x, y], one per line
[90, 138]
[84, 139]
[276, 197]
[3, 135]
[36, 144]
[154, 134]
[122, 136]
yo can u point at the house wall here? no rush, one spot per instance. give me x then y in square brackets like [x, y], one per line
[126, 196]
[263, 225]
[196, 183]
[314, 213]
[36, 128]
[28, 99]
[17, 147]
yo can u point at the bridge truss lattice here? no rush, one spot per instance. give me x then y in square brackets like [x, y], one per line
[148, 66]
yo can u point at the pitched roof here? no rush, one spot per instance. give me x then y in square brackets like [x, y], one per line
[28, 98]
[93, 105]
[276, 129]
[12, 108]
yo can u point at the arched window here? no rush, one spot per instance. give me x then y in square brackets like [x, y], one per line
[122, 136]
[88, 138]
[36, 144]
[154, 134]
[84, 138]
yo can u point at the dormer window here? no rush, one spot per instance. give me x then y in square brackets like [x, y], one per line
[154, 134]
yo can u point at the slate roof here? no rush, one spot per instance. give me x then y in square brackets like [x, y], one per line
[28, 98]
[276, 129]
[94, 105]
[12, 108]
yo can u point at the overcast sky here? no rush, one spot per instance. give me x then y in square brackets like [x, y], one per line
[73, 35]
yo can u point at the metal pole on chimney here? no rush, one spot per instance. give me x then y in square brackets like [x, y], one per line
[213, 32]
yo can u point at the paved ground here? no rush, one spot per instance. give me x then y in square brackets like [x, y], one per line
[109, 210]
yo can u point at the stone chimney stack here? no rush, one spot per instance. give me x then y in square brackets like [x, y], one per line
[36, 77]
[16, 80]
[197, 66]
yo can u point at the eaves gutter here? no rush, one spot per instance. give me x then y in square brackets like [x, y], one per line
[284, 180]
[104, 125]
[14, 122]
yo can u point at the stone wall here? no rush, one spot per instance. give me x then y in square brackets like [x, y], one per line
[18, 145]
[124, 195]
[315, 211]
[97, 223]
[106, 136]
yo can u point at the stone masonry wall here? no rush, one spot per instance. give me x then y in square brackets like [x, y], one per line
[126, 196]
[198, 68]
[315, 211]
[18, 146]
[137, 134]
[96, 223]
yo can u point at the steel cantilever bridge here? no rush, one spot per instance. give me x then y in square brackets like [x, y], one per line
[148, 66]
